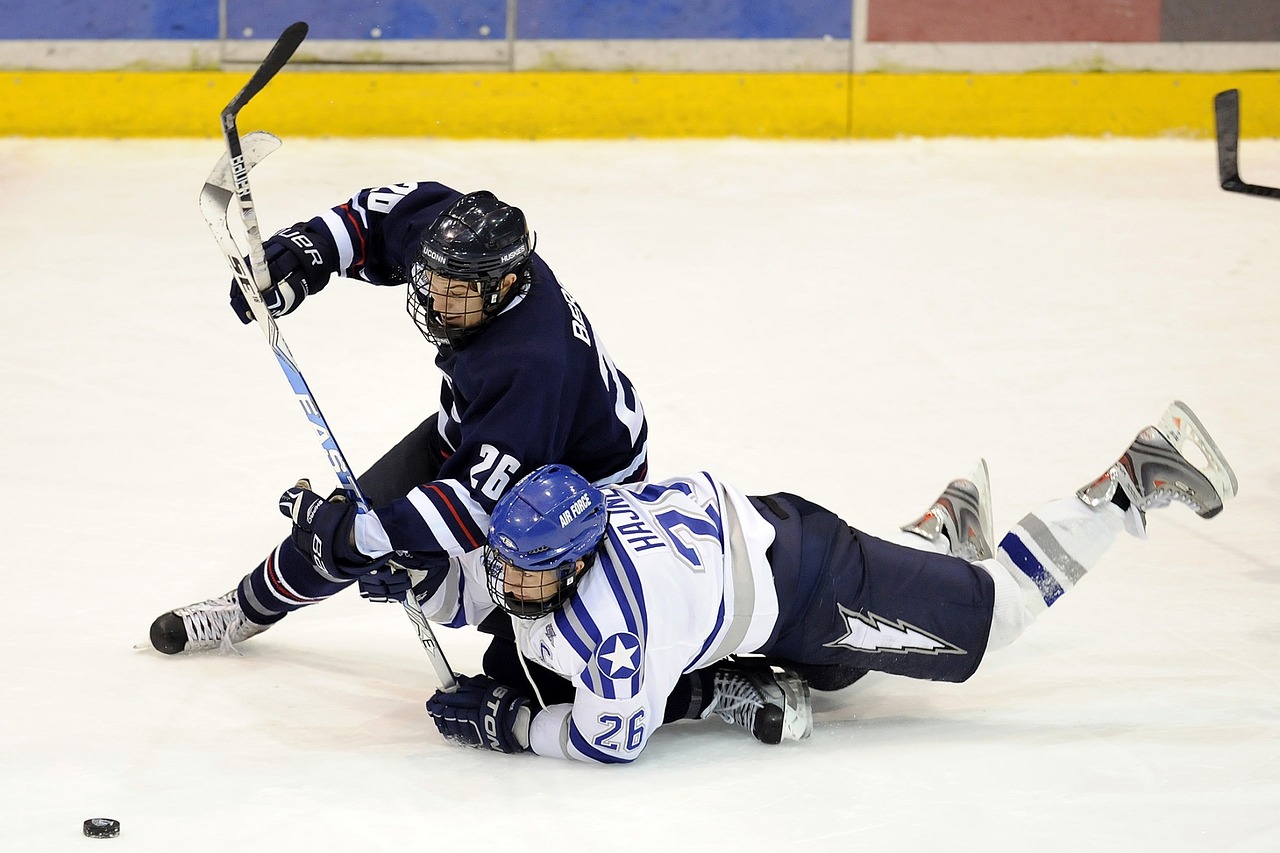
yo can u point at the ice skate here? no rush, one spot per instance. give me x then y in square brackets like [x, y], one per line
[1154, 472]
[961, 514]
[218, 623]
[770, 702]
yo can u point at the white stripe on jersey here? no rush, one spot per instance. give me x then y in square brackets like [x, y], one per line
[632, 419]
[439, 529]
[627, 472]
[338, 230]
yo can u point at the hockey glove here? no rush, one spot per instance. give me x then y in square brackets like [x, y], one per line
[297, 270]
[482, 713]
[324, 531]
[385, 584]
[393, 581]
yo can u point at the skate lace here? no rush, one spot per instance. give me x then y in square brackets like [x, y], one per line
[213, 624]
[736, 700]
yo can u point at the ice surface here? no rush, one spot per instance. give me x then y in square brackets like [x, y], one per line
[855, 322]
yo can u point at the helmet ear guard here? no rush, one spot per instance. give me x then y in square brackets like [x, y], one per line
[477, 239]
[543, 527]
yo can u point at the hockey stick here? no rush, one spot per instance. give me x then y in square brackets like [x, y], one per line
[1226, 116]
[230, 178]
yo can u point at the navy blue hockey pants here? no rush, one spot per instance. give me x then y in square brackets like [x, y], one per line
[849, 602]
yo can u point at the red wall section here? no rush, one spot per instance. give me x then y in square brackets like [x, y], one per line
[1013, 20]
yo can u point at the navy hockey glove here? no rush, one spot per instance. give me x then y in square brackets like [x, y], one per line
[324, 531]
[385, 584]
[420, 573]
[482, 713]
[297, 270]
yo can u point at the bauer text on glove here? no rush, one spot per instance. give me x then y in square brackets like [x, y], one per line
[325, 531]
[297, 268]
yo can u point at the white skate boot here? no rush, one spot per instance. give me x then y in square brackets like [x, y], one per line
[1153, 472]
[961, 514]
[771, 702]
[218, 623]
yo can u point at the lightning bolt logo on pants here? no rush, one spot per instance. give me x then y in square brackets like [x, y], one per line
[867, 632]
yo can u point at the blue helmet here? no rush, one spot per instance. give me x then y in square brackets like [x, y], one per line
[547, 523]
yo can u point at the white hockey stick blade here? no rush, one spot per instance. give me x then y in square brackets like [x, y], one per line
[1179, 425]
[255, 146]
[216, 198]
[219, 188]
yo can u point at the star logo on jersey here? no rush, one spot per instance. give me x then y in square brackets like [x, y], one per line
[867, 632]
[619, 655]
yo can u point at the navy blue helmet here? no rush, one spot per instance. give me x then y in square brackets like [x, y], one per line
[478, 240]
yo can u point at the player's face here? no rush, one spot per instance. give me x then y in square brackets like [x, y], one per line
[458, 303]
[532, 587]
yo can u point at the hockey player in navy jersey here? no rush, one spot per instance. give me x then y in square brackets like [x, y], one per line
[627, 589]
[526, 382]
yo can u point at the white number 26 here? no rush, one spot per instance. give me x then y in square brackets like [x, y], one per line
[492, 474]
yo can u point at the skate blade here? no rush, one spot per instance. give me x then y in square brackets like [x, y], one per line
[1179, 424]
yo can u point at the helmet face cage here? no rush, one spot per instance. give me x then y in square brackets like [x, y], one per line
[471, 304]
[466, 254]
[551, 589]
[543, 527]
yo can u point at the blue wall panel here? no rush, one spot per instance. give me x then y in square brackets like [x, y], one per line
[356, 19]
[108, 19]
[427, 19]
[692, 19]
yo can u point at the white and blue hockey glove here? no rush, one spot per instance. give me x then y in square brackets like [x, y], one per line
[324, 531]
[297, 270]
[482, 713]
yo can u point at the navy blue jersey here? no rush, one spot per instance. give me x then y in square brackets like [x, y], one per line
[533, 387]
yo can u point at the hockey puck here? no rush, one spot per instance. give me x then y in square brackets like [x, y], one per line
[101, 827]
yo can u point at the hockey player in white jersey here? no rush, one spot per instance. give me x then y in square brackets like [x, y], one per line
[628, 589]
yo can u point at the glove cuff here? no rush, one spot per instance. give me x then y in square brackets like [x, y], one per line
[523, 722]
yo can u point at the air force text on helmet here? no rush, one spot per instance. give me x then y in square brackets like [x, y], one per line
[575, 509]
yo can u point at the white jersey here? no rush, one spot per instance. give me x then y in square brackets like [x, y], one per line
[681, 581]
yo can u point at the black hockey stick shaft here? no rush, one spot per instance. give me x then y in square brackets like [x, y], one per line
[254, 280]
[281, 52]
[276, 58]
[1226, 116]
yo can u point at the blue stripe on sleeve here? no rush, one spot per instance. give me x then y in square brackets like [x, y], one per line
[575, 625]
[624, 579]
